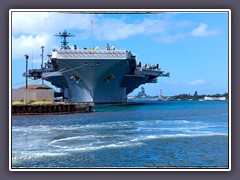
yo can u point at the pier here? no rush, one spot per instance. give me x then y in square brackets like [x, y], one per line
[44, 109]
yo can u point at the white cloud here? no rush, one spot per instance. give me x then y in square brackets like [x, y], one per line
[167, 39]
[117, 29]
[29, 22]
[36, 23]
[203, 30]
[197, 82]
[162, 29]
[28, 44]
[31, 30]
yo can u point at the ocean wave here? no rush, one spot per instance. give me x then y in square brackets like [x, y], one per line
[132, 141]
[85, 137]
[105, 125]
[172, 128]
[38, 128]
[164, 136]
[113, 145]
[193, 135]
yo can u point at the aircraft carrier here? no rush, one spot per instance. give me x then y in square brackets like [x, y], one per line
[92, 75]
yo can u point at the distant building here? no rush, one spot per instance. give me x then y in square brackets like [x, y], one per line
[215, 98]
[36, 92]
[195, 94]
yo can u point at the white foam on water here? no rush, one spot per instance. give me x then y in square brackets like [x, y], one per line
[136, 141]
[123, 137]
[163, 136]
[141, 125]
[107, 125]
[85, 137]
[67, 139]
[83, 141]
[113, 145]
[173, 129]
[89, 126]
[29, 129]
[174, 125]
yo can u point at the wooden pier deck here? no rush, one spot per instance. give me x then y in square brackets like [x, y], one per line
[67, 108]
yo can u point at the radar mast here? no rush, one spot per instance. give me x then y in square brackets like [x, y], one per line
[64, 35]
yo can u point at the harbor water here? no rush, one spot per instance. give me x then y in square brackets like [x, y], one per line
[145, 134]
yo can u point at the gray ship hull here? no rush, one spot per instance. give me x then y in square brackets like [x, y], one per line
[93, 75]
[93, 84]
[99, 76]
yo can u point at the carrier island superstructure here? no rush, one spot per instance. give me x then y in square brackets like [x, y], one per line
[93, 75]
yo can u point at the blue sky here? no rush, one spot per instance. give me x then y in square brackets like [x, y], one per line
[193, 47]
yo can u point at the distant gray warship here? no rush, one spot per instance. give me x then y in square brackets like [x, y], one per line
[93, 75]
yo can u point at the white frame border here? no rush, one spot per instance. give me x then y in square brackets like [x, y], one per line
[120, 11]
